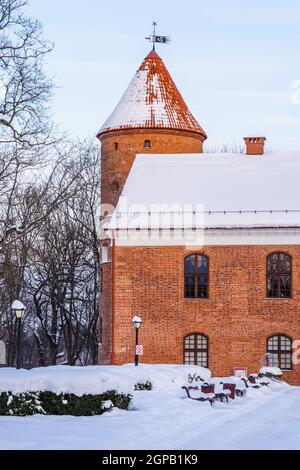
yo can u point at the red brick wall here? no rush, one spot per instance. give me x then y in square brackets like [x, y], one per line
[237, 317]
[255, 145]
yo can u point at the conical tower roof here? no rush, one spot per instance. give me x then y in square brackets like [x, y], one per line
[152, 101]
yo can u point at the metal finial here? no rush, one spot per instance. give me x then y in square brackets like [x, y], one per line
[157, 39]
[154, 24]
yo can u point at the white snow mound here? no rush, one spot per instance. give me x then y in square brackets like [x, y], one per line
[96, 379]
[270, 370]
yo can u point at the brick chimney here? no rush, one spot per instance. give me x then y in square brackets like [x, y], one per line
[255, 145]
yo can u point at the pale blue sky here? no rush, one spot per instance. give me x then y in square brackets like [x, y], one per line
[234, 61]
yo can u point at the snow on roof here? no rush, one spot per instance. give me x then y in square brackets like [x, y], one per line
[235, 190]
[152, 100]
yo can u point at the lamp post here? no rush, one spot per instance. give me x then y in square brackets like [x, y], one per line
[19, 309]
[137, 324]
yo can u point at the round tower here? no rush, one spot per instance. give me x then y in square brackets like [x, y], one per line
[151, 117]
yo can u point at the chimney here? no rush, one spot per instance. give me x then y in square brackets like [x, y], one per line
[255, 145]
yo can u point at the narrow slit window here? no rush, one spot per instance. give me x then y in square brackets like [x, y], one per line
[196, 277]
[279, 275]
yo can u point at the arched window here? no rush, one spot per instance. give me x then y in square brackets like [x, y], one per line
[279, 275]
[147, 144]
[196, 350]
[196, 276]
[280, 349]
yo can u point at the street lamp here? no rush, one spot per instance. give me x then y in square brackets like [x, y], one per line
[137, 324]
[19, 310]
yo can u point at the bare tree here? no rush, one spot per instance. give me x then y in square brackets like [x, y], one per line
[49, 194]
[24, 88]
[52, 261]
[64, 273]
[25, 129]
[224, 148]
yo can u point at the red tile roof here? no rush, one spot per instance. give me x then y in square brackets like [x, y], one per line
[153, 101]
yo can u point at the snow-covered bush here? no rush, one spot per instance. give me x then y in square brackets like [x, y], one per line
[143, 386]
[270, 372]
[22, 404]
[50, 403]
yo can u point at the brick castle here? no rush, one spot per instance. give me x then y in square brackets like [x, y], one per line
[232, 300]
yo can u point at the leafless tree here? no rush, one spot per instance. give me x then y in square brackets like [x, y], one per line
[52, 259]
[224, 148]
[63, 278]
[25, 127]
[49, 195]
[24, 88]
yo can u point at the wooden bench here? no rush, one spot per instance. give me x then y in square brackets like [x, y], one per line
[200, 396]
[249, 384]
[254, 380]
[219, 394]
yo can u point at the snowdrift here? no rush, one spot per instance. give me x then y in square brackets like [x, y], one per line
[97, 379]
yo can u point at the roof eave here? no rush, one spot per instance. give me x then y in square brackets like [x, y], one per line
[199, 132]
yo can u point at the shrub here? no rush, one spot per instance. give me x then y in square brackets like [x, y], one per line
[49, 403]
[143, 386]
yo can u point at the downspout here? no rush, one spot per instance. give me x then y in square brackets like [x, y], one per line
[113, 301]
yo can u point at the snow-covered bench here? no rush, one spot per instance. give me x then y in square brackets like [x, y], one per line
[194, 393]
[217, 388]
[255, 380]
[248, 384]
[233, 384]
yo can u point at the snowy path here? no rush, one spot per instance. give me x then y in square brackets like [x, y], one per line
[264, 420]
[274, 423]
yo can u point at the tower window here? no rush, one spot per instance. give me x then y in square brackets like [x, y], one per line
[104, 253]
[196, 350]
[147, 144]
[279, 275]
[115, 187]
[196, 276]
[116, 144]
[279, 348]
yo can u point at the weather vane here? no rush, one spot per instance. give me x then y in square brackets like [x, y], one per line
[157, 39]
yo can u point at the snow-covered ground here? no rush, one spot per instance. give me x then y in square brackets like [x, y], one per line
[268, 418]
